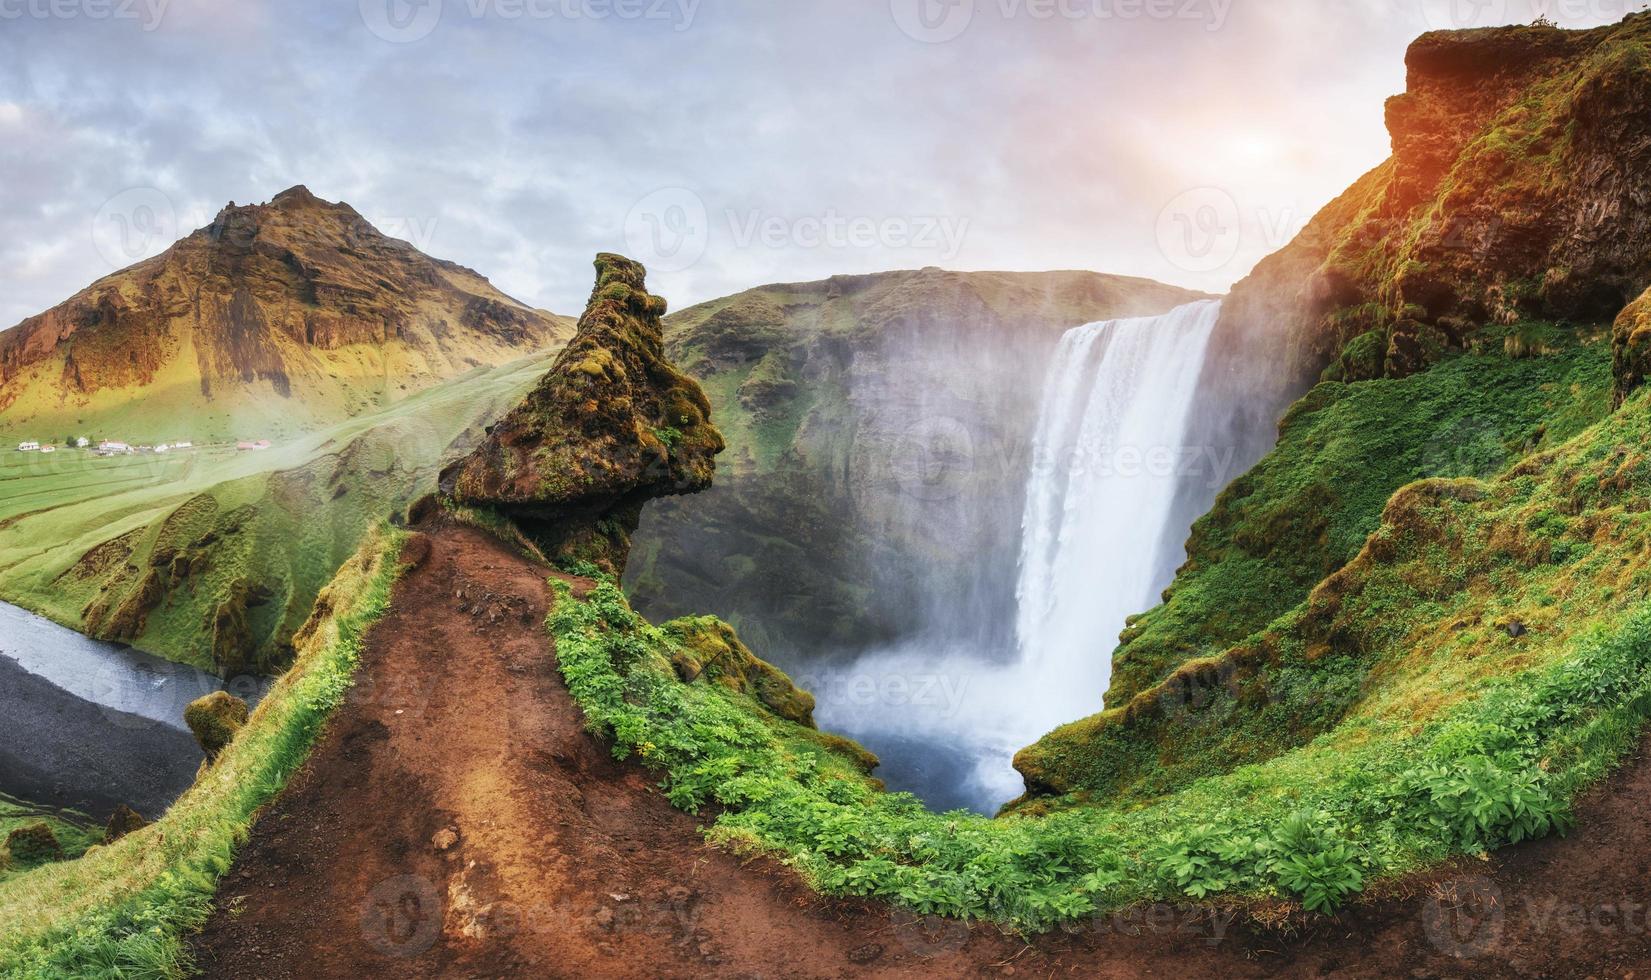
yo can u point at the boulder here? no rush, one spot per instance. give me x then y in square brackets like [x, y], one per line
[706, 648]
[1631, 346]
[33, 844]
[122, 822]
[612, 425]
[215, 719]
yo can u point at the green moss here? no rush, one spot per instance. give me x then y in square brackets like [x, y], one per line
[1306, 509]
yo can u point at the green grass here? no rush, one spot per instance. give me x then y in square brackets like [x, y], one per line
[125, 910]
[276, 524]
[1314, 825]
[1307, 507]
[75, 832]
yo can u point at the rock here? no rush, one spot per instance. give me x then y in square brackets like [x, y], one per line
[612, 425]
[1516, 629]
[1631, 346]
[215, 719]
[445, 839]
[33, 844]
[122, 822]
[708, 648]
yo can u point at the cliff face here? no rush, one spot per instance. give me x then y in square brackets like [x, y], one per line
[291, 313]
[1517, 191]
[878, 429]
[612, 425]
[1466, 283]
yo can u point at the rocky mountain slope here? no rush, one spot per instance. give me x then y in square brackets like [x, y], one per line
[1460, 302]
[270, 321]
[366, 363]
[877, 426]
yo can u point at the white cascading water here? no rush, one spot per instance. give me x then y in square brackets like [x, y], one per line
[1107, 459]
[1106, 462]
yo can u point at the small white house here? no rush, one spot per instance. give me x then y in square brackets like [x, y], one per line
[48, 449]
[28, 447]
[82, 442]
[183, 445]
[162, 448]
[113, 448]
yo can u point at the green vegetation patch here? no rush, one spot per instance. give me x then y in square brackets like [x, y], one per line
[124, 909]
[1314, 825]
[1306, 509]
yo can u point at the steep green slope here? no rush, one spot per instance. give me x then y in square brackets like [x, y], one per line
[1307, 507]
[213, 557]
[126, 909]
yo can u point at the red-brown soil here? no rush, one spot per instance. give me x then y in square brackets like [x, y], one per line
[457, 821]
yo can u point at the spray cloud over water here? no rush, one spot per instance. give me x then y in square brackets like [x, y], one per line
[948, 708]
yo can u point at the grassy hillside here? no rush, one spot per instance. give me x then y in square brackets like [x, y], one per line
[125, 909]
[213, 557]
[1307, 507]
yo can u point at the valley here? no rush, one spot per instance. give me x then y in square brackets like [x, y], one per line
[909, 623]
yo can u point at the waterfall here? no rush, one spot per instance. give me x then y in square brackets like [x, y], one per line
[1107, 459]
[1106, 466]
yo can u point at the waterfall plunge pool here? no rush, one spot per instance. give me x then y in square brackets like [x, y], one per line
[1108, 463]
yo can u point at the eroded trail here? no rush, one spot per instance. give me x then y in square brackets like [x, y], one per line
[458, 821]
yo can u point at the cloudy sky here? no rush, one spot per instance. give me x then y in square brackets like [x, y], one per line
[727, 143]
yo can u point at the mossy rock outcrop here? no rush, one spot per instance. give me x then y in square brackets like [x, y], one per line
[612, 425]
[33, 844]
[708, 649]
[215, 719]
[123, 821]
[1631, 346]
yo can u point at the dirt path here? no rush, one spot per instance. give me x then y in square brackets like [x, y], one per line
[457, 821]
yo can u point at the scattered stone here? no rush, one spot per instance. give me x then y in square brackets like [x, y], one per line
[865, 954]
[122, 822]
[33, 844]
[214, 720]
[1516, 629]
[604, 917]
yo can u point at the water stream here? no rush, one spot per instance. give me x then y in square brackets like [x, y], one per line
[89, 725]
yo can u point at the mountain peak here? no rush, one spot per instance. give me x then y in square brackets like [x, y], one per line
[294, 297]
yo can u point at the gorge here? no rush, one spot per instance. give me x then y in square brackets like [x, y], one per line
[1105, 463]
